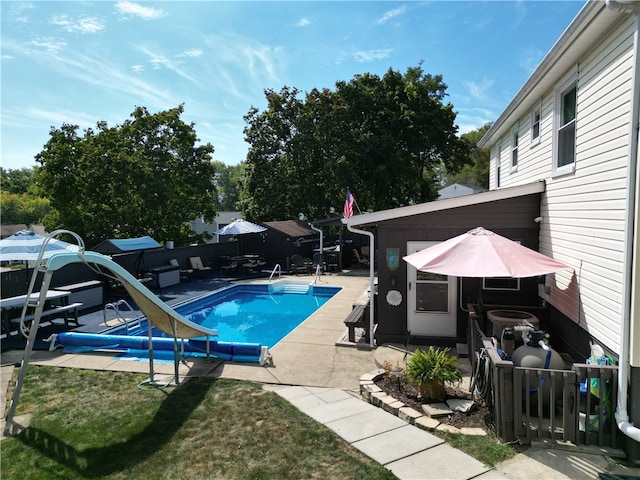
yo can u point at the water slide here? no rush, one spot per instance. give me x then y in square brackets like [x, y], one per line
[158, 313]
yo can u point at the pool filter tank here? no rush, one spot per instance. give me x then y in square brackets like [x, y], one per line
[536, 353]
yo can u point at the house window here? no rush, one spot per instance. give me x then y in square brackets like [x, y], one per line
[498, 174]
[565, 151]
[535, 126]
[514, 150]
[499, 283]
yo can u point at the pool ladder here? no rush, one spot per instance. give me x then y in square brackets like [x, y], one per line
[278, 269]
[130, 323]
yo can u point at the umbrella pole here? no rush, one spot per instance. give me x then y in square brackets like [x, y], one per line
[480, 312]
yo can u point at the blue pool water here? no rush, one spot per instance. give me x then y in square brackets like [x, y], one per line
[256, 313]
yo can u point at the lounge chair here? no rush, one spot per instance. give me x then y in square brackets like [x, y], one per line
[198, 266]
[361, 261]
[318, 259]
[298, 265]
[184, 272]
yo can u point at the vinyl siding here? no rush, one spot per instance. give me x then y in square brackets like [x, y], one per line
[584, 211]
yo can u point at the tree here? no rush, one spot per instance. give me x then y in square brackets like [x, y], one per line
[144, 177]
[17, 181]
[20, 201]
[477, 171]
[228, 182]
[385, 138]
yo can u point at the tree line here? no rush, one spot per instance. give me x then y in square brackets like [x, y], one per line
[391, 139]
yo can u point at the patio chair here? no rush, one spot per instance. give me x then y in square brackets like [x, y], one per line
[184, 272]
[198, 266]
[332, 262]
[318, 259]
[297, 264]
[363, 262]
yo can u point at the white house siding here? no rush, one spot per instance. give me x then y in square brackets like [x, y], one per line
[584, 212]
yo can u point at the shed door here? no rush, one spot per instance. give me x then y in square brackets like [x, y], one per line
[431, 299]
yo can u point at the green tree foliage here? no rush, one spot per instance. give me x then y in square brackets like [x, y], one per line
[477, 171]
[387, 138]
[20, 201]
[17, 181]
[144, 177]
[228, 183]
[23, 208]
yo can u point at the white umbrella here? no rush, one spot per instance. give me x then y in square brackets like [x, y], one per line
[240, 227]
[25, 245]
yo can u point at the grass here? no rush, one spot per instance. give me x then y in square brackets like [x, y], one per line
[489, 450]
[88, 424]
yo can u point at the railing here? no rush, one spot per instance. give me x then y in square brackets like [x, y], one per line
[316, 279]
[278, 269]
[574, 405]
[130, 323]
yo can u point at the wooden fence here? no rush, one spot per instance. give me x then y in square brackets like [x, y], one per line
[575, 405]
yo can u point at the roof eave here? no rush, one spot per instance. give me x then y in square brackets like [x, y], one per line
[446, 204]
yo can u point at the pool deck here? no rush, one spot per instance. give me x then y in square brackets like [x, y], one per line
[308, 356]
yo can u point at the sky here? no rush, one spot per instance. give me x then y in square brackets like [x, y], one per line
[84, 62]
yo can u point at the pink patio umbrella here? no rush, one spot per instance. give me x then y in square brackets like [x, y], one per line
[481, 253]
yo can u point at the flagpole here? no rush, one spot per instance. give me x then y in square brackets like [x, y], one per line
[356, 204]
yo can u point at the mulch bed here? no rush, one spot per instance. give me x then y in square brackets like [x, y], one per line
[478, 417]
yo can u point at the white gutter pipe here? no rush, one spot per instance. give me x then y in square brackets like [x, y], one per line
[319, 230]
[631, 232]
[372, 251]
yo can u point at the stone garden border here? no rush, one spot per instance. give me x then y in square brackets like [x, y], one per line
[375, 396]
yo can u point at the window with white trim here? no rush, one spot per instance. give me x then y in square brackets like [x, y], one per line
[565, 131]
[535, 126]
[515, 138]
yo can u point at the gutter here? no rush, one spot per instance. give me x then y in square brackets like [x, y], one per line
[371, 270]
[629, 300]
[319, 230]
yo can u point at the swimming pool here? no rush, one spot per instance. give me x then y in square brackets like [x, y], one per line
[257, 313]
[247, 317]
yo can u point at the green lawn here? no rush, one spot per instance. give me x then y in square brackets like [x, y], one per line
[88, 424]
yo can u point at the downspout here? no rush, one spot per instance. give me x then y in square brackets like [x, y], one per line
[319, 230]
[372, 251]
[629, 300]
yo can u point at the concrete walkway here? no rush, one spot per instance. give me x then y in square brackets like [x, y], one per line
[409, 452]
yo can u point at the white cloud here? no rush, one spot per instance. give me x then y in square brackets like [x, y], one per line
[303, 22]
[194, 52]
[47, 44]
[530, 59]
[478, 90]
[131, 8]
[159, 61]
[364, 56]
[17, 11]
[137, 68]
[391, 14]
[82, 25]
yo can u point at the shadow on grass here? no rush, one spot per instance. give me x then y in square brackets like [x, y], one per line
[99, 462]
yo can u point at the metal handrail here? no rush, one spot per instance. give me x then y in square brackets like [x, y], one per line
[129, 323]
[273, 272]
[318, 273]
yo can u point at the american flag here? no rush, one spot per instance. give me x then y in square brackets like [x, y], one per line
[348, 205]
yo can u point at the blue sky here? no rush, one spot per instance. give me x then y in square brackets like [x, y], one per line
[81, 62]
